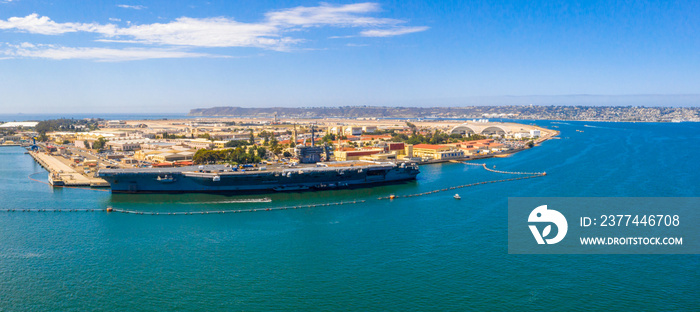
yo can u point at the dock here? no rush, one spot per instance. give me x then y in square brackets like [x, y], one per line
[65, 173]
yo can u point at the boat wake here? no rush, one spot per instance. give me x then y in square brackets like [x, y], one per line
[233, 201]
[600, 127]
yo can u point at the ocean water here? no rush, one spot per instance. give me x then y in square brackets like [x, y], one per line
[421, 253]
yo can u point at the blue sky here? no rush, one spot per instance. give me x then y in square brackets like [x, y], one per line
[171, 56]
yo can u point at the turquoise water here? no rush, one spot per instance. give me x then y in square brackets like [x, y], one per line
[422, 253]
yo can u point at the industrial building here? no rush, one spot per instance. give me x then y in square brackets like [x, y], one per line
[438, 152]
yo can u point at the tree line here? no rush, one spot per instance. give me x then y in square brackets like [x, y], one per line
[237, 155]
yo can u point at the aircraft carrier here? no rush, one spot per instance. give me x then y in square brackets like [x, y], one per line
[228, 179]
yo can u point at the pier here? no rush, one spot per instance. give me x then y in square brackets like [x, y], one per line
[60, 171]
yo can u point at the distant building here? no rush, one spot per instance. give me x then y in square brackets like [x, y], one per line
[350, 130]
[130, 161]
[437, 151]
[168, 157]
[13, 138]
[344, 155]
[116, 124]
[199, 144]
[124, 145]
[396, 147]
[20, 124]
[153, 145]
[521, 135]
[379, 157]
[164, 155]
[220, 143]
[335, 130]
[369, 129]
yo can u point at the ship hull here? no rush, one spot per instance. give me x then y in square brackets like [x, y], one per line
[215, 179]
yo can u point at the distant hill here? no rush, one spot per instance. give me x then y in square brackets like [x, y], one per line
[343, 111]
[602, 113]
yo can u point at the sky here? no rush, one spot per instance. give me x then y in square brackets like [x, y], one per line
[136, 56]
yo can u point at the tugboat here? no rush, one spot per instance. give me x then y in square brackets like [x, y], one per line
[457, 196]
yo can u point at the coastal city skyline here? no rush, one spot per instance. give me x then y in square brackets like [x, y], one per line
[156, 56]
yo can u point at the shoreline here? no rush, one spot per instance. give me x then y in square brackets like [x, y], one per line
[492, 155]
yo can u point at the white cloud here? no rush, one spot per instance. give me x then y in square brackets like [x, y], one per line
[341, 37]
[112, 19]
[133, 7]
[98, 54]
[273, 33]
[119, 41]
[207, 32]
[349, 15]
[43, 25]
[392, 31]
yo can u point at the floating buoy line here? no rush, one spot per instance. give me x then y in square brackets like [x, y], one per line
[524, 175]
[505, 172]
[529, 175]
[153, 213]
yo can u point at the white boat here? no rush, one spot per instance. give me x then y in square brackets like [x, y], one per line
[457, 196]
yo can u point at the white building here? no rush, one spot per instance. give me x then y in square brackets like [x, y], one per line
[521, 135]
[353, 130]
[116, 124]
[336, 130]
[199, 144]
[125, 145]
[17, 124]
[369, 129]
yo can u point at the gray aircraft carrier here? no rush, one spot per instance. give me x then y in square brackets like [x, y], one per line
[228, 179]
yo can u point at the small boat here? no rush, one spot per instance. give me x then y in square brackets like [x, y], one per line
[457, 196]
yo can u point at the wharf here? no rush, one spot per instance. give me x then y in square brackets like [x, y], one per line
[69, 175]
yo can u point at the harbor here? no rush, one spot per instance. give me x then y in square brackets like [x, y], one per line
[388, 247]
[258, 154]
